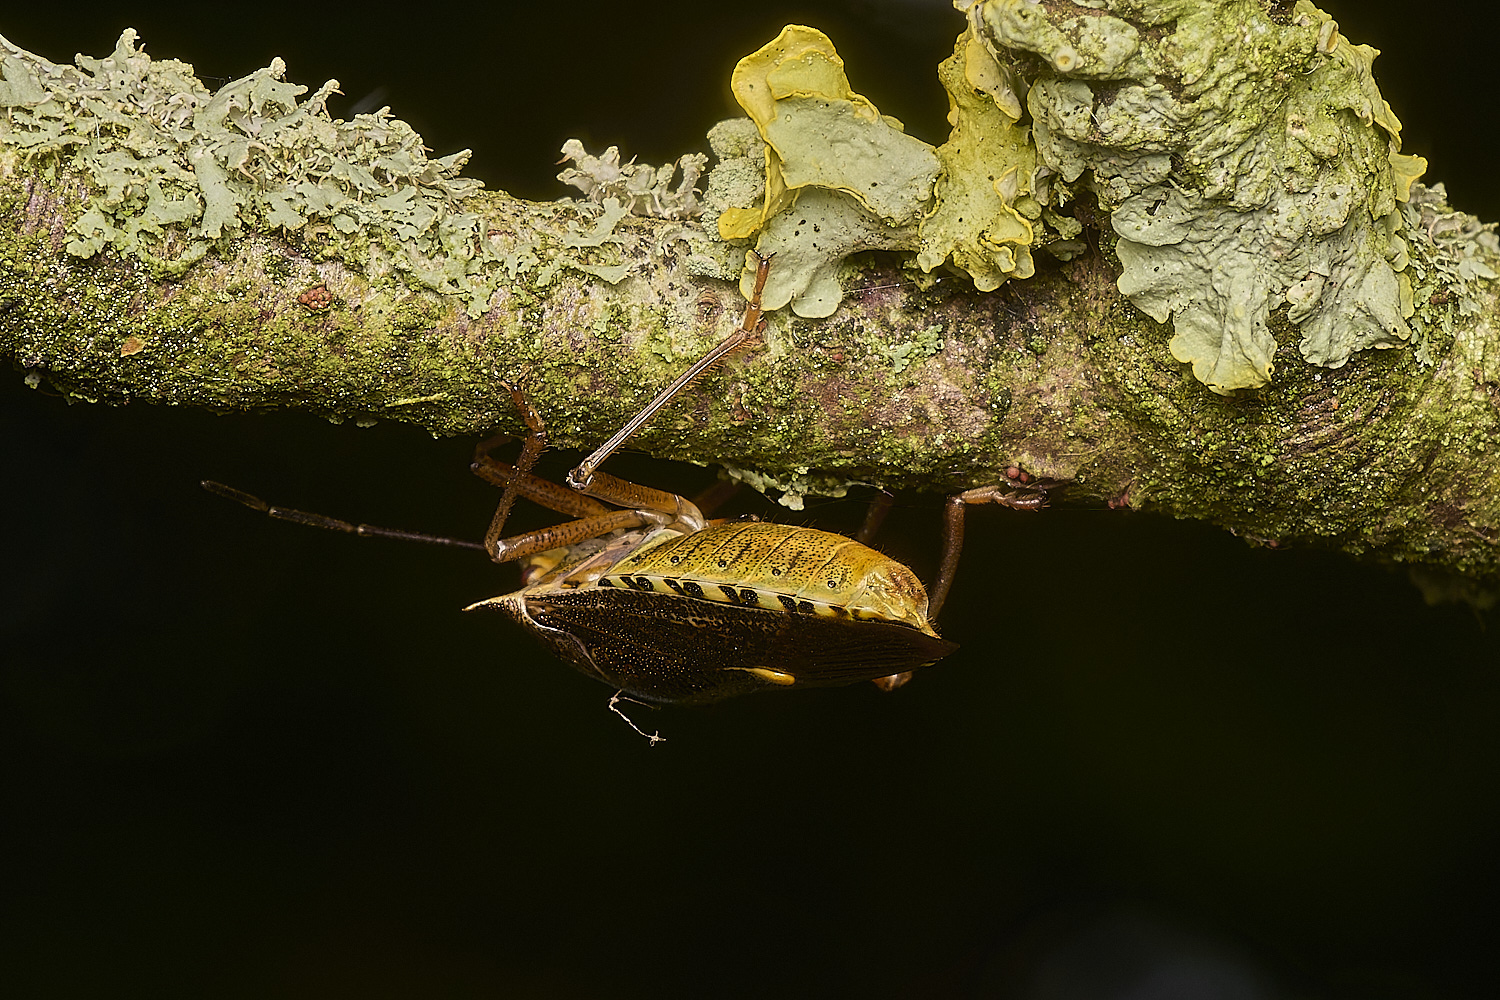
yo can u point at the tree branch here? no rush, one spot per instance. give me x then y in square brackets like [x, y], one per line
[910, 383]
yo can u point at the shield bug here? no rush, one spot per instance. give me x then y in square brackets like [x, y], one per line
[644, 592]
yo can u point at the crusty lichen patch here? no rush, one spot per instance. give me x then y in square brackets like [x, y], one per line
[1247, 164]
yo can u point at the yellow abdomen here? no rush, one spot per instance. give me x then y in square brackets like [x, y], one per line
[780, 567]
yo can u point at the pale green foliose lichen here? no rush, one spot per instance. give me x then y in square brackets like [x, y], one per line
[811, 240]
[174, 169]
[840, 177]
[1245, 163]
[738, 179]
[794, 487]
[927, 343]
[1448, 251]
[639, 188]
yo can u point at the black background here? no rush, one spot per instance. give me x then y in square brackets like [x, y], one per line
[245, 759]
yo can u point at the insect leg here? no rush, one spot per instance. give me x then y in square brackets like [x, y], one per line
[553, 496]
[624, 493]
[716, 495]
[614, 706]
[558, 536]
[1021, 493]
[874, 517]
[750, 328]
[531, 449]
[893, 681]
[593, 518]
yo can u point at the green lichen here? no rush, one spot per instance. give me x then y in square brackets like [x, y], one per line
[811, 240]
[793, 488]
[839, 177]
[1446, 266]
[1246, 164]
[603, 229]
[175, 171]
[989, 165]
[927, 343]
[641, 189]
[738, 179]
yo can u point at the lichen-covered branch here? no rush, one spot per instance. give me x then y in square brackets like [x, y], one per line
[239, 250]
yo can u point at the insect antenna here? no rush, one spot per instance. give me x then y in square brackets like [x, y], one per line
[332, 523]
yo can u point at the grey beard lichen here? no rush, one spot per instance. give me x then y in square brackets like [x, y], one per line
[1247, 162]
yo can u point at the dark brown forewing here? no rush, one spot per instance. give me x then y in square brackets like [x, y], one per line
[679, 649]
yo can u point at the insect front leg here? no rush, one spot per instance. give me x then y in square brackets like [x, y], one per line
[752, 325]
[553, 496]
[522, 482]
[623, 493]
[647, 505]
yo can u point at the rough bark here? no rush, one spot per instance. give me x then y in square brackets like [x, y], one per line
[909, 384]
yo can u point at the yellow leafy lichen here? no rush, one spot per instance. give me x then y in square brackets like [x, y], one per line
[873, 181]
[1406, 168]
[840, 177]
[1245, 159]
[988, 162]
